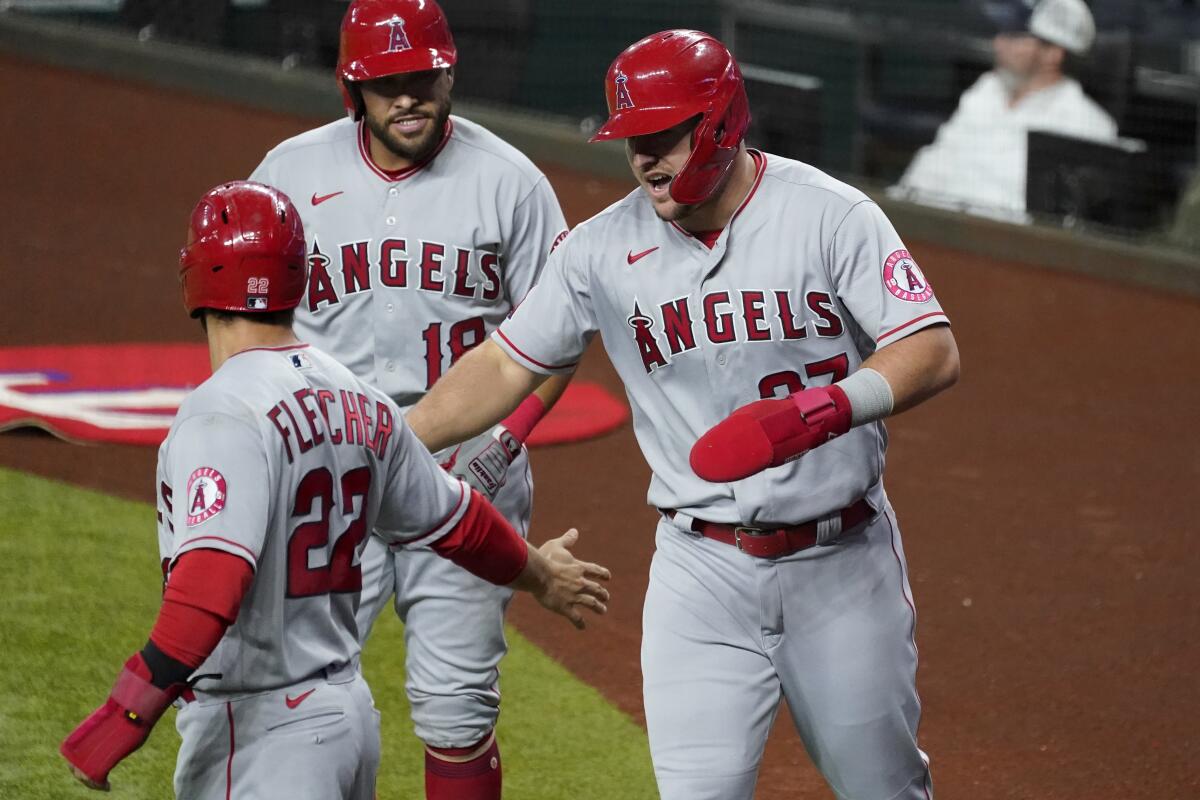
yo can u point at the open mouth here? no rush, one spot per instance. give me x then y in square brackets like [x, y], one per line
[409, 125]
[659, 185]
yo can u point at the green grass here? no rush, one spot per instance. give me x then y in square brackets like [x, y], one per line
[81, 586]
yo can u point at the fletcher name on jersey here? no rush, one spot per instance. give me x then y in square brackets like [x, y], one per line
[347, 415]
[259, 489]
[262, 525]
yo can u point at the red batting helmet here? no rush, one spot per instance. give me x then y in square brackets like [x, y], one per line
[670, 77]
[245, 251]
[385, 37]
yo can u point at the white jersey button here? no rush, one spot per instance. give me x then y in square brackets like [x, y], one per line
[391, 220]
[390, 366]
[389, 306]
[393, 191]
[721, 359]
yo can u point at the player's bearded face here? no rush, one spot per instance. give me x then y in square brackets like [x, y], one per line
[407, 113]
[656, 159]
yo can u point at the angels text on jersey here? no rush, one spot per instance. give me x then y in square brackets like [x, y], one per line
[671, 328]
[425, 266]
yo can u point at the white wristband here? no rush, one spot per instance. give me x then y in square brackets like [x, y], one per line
[869, 394]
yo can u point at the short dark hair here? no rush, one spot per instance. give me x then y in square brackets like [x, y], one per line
[282, 319]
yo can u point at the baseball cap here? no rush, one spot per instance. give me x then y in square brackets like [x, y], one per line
[1066, 23]
[1006, 16]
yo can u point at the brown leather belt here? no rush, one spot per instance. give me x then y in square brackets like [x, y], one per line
[775, 542]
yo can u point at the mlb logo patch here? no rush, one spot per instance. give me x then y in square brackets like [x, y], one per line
[300, 360]
[256, 303]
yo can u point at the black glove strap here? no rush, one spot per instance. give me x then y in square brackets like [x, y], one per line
[164, 670]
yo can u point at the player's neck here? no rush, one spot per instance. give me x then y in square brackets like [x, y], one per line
[716, 213]
[227, 338]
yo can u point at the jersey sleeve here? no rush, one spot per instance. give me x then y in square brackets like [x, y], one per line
[878, 280]
[262, 173]
[548, 332]
[421, 502]
[221, 485]
[537, 224]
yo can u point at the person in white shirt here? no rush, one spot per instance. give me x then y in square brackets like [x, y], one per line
[978, 161]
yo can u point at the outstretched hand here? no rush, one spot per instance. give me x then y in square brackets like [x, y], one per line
[562, 583]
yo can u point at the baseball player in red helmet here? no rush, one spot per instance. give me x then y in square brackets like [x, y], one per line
[273, 473]
[765, 318]
[424, 230]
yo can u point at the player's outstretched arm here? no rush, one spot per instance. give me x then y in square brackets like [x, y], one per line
[483, 461]
[484, 387]
[768, 433]
[485, 544]
[561, 582]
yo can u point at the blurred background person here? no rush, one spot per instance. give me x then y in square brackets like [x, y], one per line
[977, 163]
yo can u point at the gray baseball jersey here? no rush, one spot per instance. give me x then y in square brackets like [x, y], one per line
[410, 269]
[803, 285]
[286, 459]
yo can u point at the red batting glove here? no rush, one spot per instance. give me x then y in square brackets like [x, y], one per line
[120, 726]
[767, 433]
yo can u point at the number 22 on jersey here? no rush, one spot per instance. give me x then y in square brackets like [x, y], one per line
[338, 573]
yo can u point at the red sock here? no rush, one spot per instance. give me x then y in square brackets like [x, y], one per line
[463, 773]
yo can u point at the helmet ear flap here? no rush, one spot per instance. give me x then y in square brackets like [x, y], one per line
[352, 99]
[731, 128]
[715, 141]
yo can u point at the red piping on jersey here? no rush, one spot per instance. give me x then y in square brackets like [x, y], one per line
[521, 353]
[253, 556]
[277, 349]
[229, 762]
[912, 322]
[760, 169]
[462, 495]
[364, 150]
[912, 632]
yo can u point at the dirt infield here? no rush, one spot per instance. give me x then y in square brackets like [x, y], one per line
[1046, 501]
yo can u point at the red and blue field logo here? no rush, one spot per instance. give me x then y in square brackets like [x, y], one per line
[129, 393]
[119, 393]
